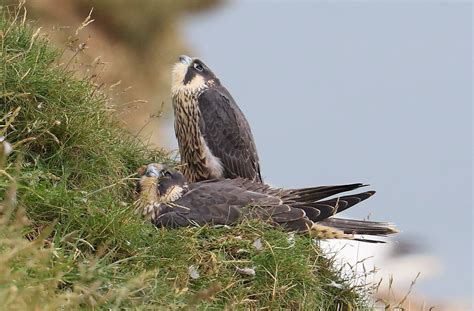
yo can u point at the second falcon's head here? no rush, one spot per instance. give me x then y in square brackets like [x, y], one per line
[157, 184]
[191, 74]
[170, 182]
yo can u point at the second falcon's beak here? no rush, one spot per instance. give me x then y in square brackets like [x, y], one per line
[186, 60]
[152, 171]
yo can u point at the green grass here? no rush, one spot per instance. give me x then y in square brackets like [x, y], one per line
[68, 236]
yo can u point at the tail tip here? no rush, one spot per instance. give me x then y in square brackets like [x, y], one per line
[392, 230]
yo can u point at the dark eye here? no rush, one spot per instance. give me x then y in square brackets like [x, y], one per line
[198, 67]
[167, 173]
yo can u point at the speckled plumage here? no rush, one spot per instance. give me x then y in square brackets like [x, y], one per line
[214, 137]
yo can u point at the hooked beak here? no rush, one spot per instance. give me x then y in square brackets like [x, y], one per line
[186, 60]
[152, 171]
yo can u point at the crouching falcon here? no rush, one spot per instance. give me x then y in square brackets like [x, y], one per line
[214, 137]
[175, 203]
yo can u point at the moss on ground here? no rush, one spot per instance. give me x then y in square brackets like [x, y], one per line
[68, 235]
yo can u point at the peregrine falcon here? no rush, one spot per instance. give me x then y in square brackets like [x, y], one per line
[214, 137]
[175, 203]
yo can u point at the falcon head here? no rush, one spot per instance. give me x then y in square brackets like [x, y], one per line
[191, 75]
[160, 183]
[171, 183]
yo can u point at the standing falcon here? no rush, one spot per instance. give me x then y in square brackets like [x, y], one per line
[175, 203]
[213, 135]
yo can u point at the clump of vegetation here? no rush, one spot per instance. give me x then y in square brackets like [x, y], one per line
[68, 235]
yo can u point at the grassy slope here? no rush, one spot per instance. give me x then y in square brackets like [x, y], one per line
[71, 168]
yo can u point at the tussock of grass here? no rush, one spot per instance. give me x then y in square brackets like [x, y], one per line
[68, 236]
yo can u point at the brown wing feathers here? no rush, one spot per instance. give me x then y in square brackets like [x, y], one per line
[231, 200]
[227, 134]
[320, 211]
[331, 207]
[318, 220]
[319, 193]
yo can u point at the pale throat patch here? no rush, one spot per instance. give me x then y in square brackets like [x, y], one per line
[174, 194]
[177, 78]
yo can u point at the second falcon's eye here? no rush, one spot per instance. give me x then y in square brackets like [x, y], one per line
[166, 173]
[198, 67]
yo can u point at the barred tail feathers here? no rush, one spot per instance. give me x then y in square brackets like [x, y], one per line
[362, 227]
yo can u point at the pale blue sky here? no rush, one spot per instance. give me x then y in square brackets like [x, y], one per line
[360, 92]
